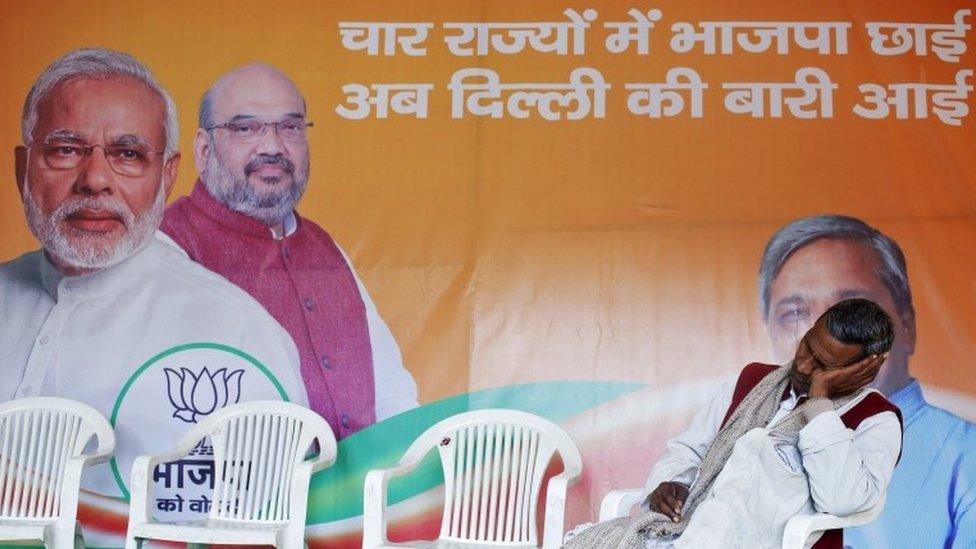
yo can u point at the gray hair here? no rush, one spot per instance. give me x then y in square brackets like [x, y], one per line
[100, 64]
[205, 116]
[893, 271]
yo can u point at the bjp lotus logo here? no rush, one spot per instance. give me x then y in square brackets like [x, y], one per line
[198, 395]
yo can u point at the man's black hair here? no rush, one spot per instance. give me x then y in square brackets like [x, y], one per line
[861, 322]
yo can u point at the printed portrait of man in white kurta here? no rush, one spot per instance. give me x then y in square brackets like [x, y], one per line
[109, 312]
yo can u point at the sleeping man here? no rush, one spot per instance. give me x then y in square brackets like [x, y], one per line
[806, 437]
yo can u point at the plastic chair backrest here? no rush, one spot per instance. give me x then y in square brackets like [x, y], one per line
[257, 447]
[38, 439]
[494, 462]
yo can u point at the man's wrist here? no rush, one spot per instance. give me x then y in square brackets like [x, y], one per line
[818, 390]
[816, 406]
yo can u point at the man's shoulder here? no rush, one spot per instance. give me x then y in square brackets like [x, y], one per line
[749, 377]
[177, 219]
[946, 423]
[181, 207]
[22, 270]
[314, 235]
[752, 374]
[183, 276]
[759, 369]
[870, 404]
[313, 229]
[21, 274]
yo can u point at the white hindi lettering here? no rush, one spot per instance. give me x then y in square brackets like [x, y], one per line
[811, 86]
[913, 100]
[658, 100]
[512, 38]
[947, 41]
[361, 36]
[760, 37]
[406, 99]
[479, 92]
[638, 30]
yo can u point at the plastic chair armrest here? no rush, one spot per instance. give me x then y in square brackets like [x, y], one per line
[618, 503]
[322, 461]
[140, 486]
[374, 502]
[801, 527]
[106, 443]
[554, 525]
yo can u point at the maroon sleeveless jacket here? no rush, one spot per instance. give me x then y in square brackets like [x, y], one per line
[305, 284]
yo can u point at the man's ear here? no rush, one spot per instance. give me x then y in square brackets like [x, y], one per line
[908, 334]
[202, 149]
[20, 168]
[170, 170]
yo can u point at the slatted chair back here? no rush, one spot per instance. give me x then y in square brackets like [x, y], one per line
[41, 439]
[257, 448]
[494, 462]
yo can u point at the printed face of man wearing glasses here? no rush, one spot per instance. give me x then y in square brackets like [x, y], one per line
[94, 177]
[253, 156]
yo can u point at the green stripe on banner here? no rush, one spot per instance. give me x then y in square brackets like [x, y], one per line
[337, 492]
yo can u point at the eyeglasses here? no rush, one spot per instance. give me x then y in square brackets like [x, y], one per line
[128, 160]
[250, 131]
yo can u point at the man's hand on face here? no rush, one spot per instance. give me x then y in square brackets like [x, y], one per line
[668, 499]
[844, 380]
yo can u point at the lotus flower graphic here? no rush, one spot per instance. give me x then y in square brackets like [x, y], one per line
[198, 395]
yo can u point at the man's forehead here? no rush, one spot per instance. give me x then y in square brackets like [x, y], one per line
[806, 296]
[66, 135]
[827, 349]
[828, 270]
[99, 109]
[257, 92]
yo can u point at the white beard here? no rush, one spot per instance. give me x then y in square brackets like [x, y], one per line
[88, 251]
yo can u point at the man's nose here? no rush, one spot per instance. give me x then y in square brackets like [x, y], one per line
[270, 143]
[805, 366]
[96, 175]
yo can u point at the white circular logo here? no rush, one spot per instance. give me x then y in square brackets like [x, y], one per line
[165, 398]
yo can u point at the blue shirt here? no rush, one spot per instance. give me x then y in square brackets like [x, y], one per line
[932, 496]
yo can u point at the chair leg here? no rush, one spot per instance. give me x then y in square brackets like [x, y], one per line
[79, 539]
[63, 536]
[292, 539]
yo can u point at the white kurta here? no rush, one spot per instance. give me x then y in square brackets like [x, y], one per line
[827, 468]
[155, 343]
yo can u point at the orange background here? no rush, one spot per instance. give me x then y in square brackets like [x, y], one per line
[506, 251]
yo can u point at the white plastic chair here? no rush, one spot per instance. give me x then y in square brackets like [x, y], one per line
[262, 472]
[494, 462]
[42, 444]
[619, 503]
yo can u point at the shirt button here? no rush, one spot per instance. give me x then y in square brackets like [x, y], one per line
[44, 339]
[344, 421]
[325, 363]
[309, 303]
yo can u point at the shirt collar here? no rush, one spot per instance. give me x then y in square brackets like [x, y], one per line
[235, 221]
[289, 224]
[909, 399]
[790, 398]
[50, 276]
